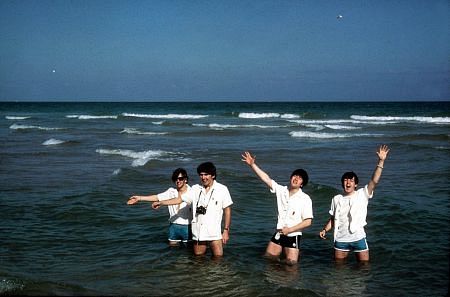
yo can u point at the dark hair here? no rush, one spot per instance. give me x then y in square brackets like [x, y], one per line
[302, 173]
[207, 167]
[349, 175]
[177, 172]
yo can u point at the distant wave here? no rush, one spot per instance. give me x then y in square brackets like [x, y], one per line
[165, 116]
[53, 141]
[252, 115]
[433, 120]
[342, 127]
[28, 127]
[141, 158]
[91, 117]
[135, 131]
[16, 118]
[340, 121]
[230, 126]
[324, 135]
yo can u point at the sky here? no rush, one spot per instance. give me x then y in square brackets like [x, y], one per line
[311, 50]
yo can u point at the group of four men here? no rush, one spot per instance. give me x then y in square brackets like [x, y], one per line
[196, 212]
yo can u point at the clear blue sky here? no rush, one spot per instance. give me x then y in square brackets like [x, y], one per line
[224, 50]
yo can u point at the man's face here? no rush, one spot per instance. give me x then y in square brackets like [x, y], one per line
[296, 182]
[206, 179]
[180, 181]
[349, 185]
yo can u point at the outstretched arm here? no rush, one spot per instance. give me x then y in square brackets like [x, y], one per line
[250, 161]
[382, 153]
[135, 199]
[173, 201]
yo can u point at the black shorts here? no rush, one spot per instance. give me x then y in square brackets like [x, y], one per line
[287, 241]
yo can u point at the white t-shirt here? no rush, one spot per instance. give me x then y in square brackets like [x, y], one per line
[291, 210]
[350, 214]
[207, 227]
[180, 213]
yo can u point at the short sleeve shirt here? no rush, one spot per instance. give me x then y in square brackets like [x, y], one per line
[207, 227]
[291, 210]
[180, 213]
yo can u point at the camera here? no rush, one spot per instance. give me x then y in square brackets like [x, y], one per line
[201, 210]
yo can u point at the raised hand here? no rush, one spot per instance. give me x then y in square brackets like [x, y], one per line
[383, 151]
[248, 158]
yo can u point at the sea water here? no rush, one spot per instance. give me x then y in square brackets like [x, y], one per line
[67, 170]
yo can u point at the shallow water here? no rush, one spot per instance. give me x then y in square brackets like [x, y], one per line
[66, 171]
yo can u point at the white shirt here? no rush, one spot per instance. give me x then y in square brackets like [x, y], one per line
[350, 214]
[207, 227]
[180, 213]
[291, 210]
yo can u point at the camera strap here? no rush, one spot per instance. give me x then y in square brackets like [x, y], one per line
[206, 206]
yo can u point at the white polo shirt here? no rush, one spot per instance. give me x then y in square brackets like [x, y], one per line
[180, 213]
[350, 213]
[291, 210]
[208, 227]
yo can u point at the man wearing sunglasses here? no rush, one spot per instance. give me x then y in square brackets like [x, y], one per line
[180, 214]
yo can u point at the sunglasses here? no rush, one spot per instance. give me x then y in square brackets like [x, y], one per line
[181, 178]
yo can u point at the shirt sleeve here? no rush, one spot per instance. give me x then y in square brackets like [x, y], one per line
[226, 198]
[332, 206]
[307, 211]
[188, 197]
[168, 194]
[275, 187]
[366, 192]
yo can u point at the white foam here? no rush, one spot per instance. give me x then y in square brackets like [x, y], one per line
[165, 116]
[252, 115]
[137, 132]
[289, 116]
[324, 135]
[26, 127]
[433, 120]
[91, 117]
[16, 118]
[229, 126]
[140, 158]
[53, 141]
[342, 127]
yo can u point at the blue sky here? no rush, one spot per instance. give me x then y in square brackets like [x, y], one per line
[224, 50]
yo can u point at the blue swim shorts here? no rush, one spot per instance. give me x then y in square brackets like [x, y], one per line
[356, 246]
[179, 232]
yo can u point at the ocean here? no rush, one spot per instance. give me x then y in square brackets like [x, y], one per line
[67, 170]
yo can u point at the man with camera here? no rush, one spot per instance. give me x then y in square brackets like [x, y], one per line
[210, 202]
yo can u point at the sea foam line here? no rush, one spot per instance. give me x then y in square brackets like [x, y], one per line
[165, 116]
[141, 158]
[27, 127]
[53, 141]
[137, 132]
[16, 118]
[433, 120]
[231, 126]
[91, 117]
[325, 135]
[253, 115]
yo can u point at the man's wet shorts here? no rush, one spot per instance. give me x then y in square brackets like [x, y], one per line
[179, 232]
[286, 241]
[356, 246]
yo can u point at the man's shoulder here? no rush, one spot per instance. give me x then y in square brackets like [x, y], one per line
[220, 186]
